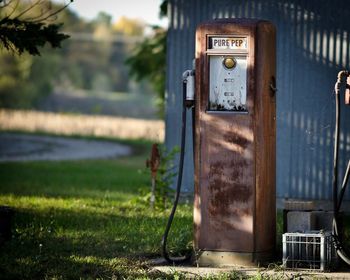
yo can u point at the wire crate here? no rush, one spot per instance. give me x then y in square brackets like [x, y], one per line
[310, 250]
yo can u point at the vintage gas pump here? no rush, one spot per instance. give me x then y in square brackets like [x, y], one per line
[234, 199]
[234, 202]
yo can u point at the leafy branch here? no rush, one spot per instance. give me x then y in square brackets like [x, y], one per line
[24, 29]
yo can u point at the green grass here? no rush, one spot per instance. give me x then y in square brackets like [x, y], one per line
[76, 219]
[79, 220]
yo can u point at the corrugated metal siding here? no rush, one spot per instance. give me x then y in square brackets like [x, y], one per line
[313, 44]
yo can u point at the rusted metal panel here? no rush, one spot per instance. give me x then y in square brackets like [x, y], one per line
[235, 161]
[226, 183]
[265, 138]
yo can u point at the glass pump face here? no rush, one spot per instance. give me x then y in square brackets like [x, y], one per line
[228, 83]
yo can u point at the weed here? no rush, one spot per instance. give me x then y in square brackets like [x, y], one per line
[161, 172]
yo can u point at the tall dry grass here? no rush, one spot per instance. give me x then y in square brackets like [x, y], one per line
[86, 125]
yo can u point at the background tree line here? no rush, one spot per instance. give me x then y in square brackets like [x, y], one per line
[92, 59]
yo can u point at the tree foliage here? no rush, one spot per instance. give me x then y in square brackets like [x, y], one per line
[24, 26]
[20, 36]
[93, 59]
[149, 60]
[130, 27]
[25, 79]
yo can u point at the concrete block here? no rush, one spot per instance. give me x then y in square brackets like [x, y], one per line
[299, 205]
[324, 220]
[300, 221]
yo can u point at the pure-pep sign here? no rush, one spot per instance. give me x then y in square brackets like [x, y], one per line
[232, 43]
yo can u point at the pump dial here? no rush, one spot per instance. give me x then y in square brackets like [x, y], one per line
[229, 62]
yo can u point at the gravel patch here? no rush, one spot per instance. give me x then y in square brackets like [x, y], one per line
[22, 147]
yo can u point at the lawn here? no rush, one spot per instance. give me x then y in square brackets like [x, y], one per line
[86, 220]
[80, 219]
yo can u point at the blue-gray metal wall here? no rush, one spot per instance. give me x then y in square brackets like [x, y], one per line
[313, 41]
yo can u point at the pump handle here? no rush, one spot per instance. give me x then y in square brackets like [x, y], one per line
[188, 82]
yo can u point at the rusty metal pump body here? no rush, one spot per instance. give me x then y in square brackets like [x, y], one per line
[235, 132]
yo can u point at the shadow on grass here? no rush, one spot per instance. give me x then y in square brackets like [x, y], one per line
[74, 244]
[51, 267]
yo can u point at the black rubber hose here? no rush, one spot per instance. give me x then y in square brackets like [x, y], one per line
[344, 185]
[165, 253]
[337, 202]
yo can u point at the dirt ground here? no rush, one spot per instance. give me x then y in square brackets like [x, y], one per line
[253, 272]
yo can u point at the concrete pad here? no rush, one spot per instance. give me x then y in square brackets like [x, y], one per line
[191, 272]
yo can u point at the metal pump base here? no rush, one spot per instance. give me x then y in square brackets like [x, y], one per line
[224, 259]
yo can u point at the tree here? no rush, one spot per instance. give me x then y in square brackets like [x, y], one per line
[149, 60]
[24, 25]
[129, 27]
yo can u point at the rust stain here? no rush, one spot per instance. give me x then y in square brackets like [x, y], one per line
[225, 195]
[227, 187]
[241, 192]
[154, 161]
[226, 225]
[236, 172]
[237, 139]
[216, 169]
[238, 169]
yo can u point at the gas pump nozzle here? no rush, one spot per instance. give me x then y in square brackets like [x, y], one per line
[188, 80]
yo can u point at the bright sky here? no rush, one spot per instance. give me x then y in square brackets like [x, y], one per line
[147, 10]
